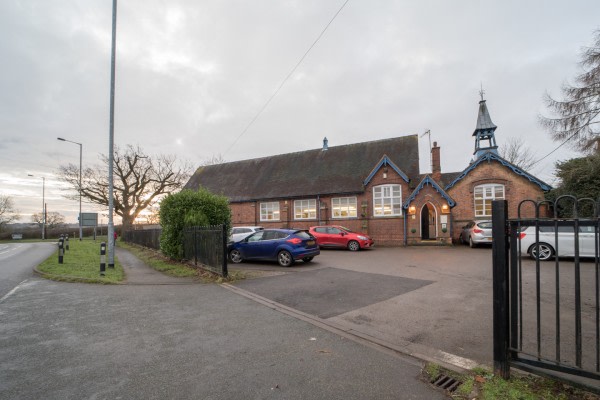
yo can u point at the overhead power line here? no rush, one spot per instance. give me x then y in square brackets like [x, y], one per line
[285, 79]
[557, 147]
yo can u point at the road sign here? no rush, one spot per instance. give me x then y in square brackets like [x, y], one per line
[89, 219]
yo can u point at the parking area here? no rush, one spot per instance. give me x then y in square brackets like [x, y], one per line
[438, 297]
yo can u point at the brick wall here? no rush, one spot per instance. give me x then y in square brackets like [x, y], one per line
[428, 195]
[517, 188]
[390, 230]
[385, 231]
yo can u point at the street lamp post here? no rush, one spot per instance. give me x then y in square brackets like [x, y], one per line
[80, 163]
[111, 138]
[43, 206]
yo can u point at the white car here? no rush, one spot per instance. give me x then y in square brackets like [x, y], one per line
[241, 232]
[566, 242]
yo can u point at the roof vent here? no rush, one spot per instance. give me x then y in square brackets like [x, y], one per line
[325, 141]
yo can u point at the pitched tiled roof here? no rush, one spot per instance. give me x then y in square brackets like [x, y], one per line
[428, 181]
[492, 156]
[340, 169]
[446, 178]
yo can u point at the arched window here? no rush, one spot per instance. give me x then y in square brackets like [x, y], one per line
[484, 194]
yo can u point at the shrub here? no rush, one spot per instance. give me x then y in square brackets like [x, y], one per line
[189, 208]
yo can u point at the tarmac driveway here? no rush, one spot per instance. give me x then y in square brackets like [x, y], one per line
[436, 297]
[328, 292]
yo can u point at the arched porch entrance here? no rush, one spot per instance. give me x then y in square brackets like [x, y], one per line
[428, 222]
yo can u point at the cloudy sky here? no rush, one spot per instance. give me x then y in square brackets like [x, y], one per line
[192, 75]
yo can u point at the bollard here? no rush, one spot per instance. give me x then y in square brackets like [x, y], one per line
[61, 250]
[102, 258]
[67, 242]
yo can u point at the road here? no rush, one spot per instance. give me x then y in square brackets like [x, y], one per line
[179, 341]
[17, 261]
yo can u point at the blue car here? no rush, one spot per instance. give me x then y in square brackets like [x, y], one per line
[282, 245]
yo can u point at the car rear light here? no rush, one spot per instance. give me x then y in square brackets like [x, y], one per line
[477, 230]
[522, 235]
[294, 241]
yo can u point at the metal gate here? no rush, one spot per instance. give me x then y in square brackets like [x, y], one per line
[207, 245]
[546, 290]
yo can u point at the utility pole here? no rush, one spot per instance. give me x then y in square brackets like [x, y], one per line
[111, 134]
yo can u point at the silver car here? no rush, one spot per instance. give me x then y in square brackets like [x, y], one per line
[476, 232]
[548, 244]
[241, 232]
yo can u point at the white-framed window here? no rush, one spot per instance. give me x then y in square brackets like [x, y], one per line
[343, 207]
[269, 211]
[387, 200]
[305, 209]
[484, 194]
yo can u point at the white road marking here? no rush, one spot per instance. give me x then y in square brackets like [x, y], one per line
[13, 291]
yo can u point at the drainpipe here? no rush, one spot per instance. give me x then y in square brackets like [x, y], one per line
[405, 233]
[451, 218]
[319, 198]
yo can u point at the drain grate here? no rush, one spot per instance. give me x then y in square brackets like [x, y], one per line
[445, 382]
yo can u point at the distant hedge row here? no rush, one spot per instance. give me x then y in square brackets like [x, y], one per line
[36, 233]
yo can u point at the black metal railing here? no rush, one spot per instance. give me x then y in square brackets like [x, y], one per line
[546, 306]
[207, 245]
[144, 237]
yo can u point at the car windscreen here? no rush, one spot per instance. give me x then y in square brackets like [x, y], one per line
[485, 225]
[303, 235]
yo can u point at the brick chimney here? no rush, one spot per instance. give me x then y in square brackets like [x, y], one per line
[436, 169]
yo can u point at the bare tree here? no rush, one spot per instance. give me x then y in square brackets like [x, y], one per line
[53, 219]
[213, 160]
[153, 217]
[139, 181]
[516, 152]
[8, 213]
[576, 117]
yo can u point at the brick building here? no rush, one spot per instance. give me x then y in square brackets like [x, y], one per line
[372, 187]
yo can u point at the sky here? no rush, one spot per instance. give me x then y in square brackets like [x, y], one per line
[192, 75]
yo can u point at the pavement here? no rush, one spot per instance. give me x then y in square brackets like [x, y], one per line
[158, 337]
[138, 273]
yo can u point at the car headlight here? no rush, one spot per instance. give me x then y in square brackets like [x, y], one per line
[362, 237]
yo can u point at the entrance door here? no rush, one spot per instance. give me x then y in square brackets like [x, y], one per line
[428, 222]
[425, 222]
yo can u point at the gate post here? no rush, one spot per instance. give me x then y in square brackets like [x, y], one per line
[500, 287]
[224, 232]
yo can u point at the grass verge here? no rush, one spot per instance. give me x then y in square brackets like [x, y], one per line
[159, 262]
[481, 384]
[81, 263]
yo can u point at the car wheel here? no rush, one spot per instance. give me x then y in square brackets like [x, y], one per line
[546, 251]
[235, 256]
[353, 245]
[284, 258]
[307, 259]
[471, 242]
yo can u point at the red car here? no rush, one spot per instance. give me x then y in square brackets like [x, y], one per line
[338, 236]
